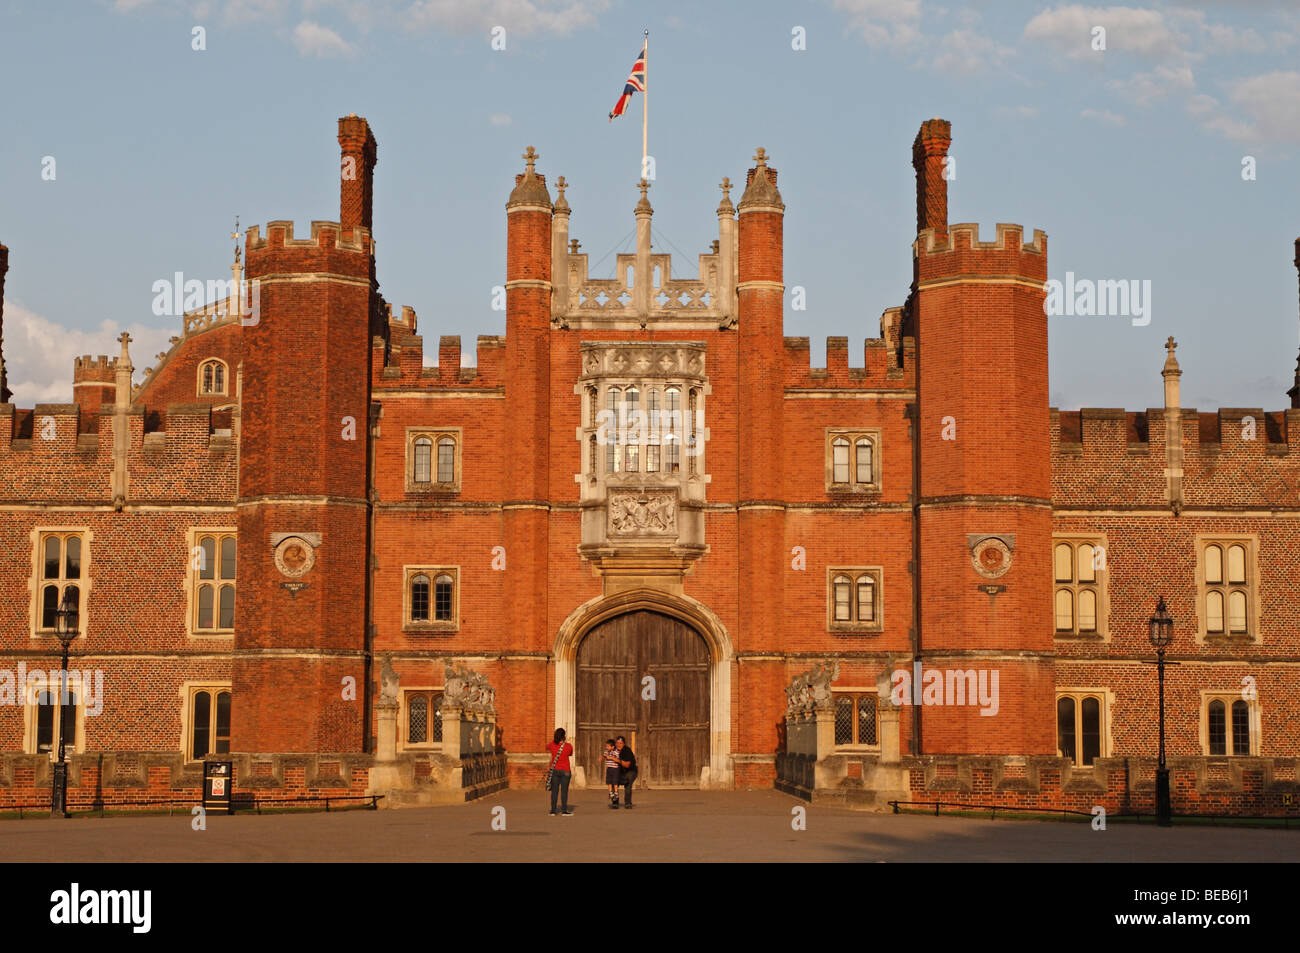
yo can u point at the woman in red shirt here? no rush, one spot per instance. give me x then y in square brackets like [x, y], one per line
[560, 772]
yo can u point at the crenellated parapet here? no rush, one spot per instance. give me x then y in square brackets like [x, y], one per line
[960, 254]
[185, 453]
[327, 250]
[1231, 458]
[881, 367]
[399, 364]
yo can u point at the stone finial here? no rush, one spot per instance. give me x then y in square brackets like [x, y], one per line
[725, 207]
[561, 204]
[644, 204]
[1171, 362]
[761, 189]
[125, 359]
[235, 236]
[530, 188]
[573, 246]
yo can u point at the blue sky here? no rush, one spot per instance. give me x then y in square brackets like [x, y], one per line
[1130, 158]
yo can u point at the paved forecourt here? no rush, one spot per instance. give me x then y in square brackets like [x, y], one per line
[665, 826]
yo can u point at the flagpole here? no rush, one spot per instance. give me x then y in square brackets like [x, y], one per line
[645, 103]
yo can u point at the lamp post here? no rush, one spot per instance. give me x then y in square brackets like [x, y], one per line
[1161, 628]
[66, 630]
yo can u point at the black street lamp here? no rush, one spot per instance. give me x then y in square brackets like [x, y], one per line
[1161, 627]
[66, 630]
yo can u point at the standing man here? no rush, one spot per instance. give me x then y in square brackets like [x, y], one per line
[627, 768]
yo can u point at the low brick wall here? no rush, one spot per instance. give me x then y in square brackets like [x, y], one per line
[116, 779]
[1198, 785]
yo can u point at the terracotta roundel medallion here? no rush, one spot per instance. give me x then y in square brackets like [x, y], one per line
[294, 557]
[991, 557]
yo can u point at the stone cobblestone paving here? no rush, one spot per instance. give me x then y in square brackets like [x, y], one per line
[665, 826]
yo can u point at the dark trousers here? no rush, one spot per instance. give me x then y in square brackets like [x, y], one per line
[627, 789]
[560, 789]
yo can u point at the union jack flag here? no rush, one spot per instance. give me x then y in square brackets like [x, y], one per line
[635, 84]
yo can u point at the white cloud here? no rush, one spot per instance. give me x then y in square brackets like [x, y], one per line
[312, 39]
[1016, 112]
[1103, 115]
[1146, 88]
[1136, 30]
[500, 119]
[1265, 109]
[39, 353]
[884, 23]
[966, 51]
[517, 16]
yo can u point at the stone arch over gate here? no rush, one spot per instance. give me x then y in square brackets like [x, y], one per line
[690, 611]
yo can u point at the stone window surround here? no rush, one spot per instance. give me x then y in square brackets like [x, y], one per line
[186, 692]
[854, 572]
[73, 745]
[1228, 696]
[431, 627]
[644, 385]
[224, 390]
[872, 694]
[433, 433]
[1252, 633]
[404, 716]
[1102, 585]
[191, 582]
[37, 536]
[1107, 697]
[852, 434]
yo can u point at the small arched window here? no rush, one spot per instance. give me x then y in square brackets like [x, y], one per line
[1064, 563]
[1064, 610]
[1240, 727]
[1087, 610]
[1214, 611]
[443, 593]
[864, 461]
[420, 598]
[212, 377]
[840, 460]
[1213, 564]
[866, 599]
[422, 460]
[1236, 611]
[1217, 724]
[419, 720]
[446, 460]
[842, 604]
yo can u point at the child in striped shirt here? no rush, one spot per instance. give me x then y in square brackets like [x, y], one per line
[611, 772]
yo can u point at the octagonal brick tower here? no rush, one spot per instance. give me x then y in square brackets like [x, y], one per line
[984, 509]
[303, 476]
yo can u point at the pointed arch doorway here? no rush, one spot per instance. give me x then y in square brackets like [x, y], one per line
[645, 675]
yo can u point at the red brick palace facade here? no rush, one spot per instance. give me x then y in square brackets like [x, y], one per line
[641, 510]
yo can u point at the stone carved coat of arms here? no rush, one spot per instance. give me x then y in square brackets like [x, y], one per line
[631, 514]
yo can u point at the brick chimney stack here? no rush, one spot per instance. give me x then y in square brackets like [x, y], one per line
[1294, 391]
[356, 173]
[4, 381]
[929, 150]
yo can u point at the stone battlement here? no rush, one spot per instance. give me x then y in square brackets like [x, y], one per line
[279, 234]
[881, 367]
[98, 370]
[405, 369]
[959, 253]
[188, 452]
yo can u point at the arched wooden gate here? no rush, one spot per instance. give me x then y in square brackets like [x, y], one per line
[671, 729]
